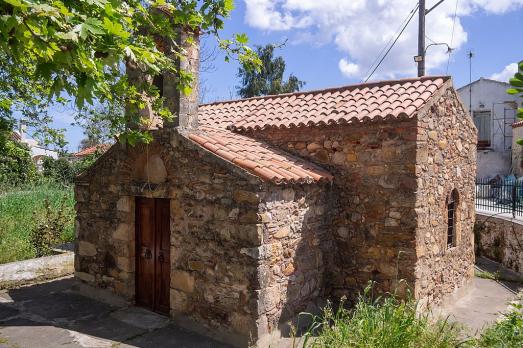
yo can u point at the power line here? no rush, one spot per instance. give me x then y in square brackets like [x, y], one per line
[411, 15]
[387, 45]
[452, 36]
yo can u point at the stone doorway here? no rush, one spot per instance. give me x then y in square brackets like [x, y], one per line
[153, 253]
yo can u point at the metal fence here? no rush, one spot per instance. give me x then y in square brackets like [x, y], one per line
[500, 195]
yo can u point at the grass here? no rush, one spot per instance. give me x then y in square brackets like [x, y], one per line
[380, 323]
[506, 333]
[488, 275]
[22, 208]
[390, 322]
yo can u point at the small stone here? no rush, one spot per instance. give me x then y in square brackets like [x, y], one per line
[233, 215]
[288, 194]
[442, 144]
[282, 233]
[313, 147]
[433, 135]
[182, 281]
[196, 266]
[86, 248]
[338, 158]
[395, 215]
[245, 196]
[124, 204]
[289, 269]
[391, 222]
[265, 217]
[300, 146]
[343, 232]
[86, 277]
[122, 232]
[351, 157]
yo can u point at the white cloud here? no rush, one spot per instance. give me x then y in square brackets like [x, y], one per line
[361, 28]
[347, 68]
[506, 73]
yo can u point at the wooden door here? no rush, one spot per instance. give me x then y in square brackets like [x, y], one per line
[153, 253]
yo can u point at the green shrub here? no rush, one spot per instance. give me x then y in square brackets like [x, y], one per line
[16, 165]
[49, 228]
[22, 208]
[61, 170]
[506, 333]
[383, 322]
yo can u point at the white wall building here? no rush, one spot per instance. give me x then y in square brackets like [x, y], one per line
[38, 153]
[493, 112]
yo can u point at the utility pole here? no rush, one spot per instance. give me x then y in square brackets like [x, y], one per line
[421, 38]
[420, 58]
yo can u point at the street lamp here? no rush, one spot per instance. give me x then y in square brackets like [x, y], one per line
[421, 58]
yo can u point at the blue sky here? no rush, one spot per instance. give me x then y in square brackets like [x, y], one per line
[332, 43]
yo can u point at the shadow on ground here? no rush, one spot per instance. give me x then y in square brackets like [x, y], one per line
[53, 314]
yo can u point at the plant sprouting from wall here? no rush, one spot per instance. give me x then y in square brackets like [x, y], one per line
[517, 89]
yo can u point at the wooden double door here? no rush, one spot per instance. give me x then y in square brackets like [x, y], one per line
[153, 253]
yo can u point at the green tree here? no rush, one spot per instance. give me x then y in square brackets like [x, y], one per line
[55, 48]
[98, 124]
[517, 89]
[16, 165]
[269, 78]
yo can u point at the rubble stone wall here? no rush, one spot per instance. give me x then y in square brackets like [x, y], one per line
[214, 215]
[446, 161]
[500, 239]
[297, 252]
[372, 209]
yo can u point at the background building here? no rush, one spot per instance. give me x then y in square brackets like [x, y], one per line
[493, 112]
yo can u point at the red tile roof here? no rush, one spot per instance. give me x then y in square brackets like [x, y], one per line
[257, 157]
[356, 103]
[517, 124]
[90, 150]
[220, 122]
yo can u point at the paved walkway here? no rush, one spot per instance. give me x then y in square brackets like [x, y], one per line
[483, 302]
[51, 315]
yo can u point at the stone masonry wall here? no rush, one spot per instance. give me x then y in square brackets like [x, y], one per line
[446, 158]
[213, 216]
[297, 257]
[373, 217]
[500, 239]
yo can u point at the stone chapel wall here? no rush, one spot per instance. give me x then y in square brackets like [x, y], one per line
[446, 160]
[372, 209]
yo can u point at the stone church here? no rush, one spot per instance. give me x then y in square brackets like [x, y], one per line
[244, 213]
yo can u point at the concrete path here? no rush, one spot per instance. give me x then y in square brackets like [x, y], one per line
[52, 314]
[484, 301]
[55, 314]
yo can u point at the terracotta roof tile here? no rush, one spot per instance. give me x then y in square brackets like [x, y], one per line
[356, 103]
[91, 150]
[517, 124]
[257, 157]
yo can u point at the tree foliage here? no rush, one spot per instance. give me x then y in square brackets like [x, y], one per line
[269, 78]
[16, 165]
[99, 124]
[517, 89]
[78, 48]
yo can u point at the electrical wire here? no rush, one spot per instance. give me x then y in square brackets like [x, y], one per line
[388, 43]
[411, 15]
[452, 36]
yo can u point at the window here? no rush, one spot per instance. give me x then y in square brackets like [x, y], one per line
[482, 122]
[452, 204]
[158, 83]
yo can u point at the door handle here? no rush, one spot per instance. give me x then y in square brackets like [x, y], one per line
[161, 258]
[147, 254]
